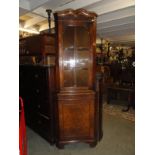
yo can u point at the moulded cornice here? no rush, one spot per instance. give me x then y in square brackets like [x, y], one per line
[76, 13]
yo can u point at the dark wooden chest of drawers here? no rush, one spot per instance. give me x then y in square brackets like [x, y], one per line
[37, 88]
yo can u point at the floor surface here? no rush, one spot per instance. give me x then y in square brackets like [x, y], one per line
[118, 139]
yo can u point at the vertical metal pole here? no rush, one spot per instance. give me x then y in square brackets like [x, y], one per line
[49, 19]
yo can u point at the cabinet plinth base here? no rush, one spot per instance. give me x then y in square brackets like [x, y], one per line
[61, 145]
[93, 144]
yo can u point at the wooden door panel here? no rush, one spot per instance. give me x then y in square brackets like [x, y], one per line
[76, 119]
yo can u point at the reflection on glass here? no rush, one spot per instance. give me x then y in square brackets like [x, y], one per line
[82, 53]
[69, 64]
[68, 37]
[82, 58]
[76, 56]
[82, 37]
[68, 42]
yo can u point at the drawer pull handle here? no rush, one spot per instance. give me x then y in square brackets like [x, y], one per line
[44, 116]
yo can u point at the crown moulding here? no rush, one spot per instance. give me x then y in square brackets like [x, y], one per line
[76, 13]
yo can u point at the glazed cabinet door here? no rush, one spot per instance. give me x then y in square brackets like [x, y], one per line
[76, 63]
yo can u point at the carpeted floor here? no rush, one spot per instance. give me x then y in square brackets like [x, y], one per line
[118, 138]
[115, 109]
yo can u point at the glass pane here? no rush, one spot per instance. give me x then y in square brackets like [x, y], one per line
[82, 37]
[81, 77]
[68, 78]
[68, 56]
[69, 61]
[68, 36]
[76, 56]
[82, 44]
[82, 57]
[68, 45]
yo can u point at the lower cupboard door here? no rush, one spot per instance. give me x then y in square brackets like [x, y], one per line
[76, 119]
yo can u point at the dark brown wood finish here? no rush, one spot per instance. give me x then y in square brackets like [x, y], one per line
[39, 44]
[77, 105]
[37, 83]
[39, 49]
[37, 88]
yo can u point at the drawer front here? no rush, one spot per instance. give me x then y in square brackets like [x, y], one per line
[38, 77]
[45, 108]
[38, 93]
[38, 104]
[45, 127]
[39, 100]
[31, 117]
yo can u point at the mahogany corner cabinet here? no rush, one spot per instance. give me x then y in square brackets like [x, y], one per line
[78, 108]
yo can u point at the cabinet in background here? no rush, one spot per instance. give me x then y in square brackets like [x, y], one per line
[37, 82]
[38, 49]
